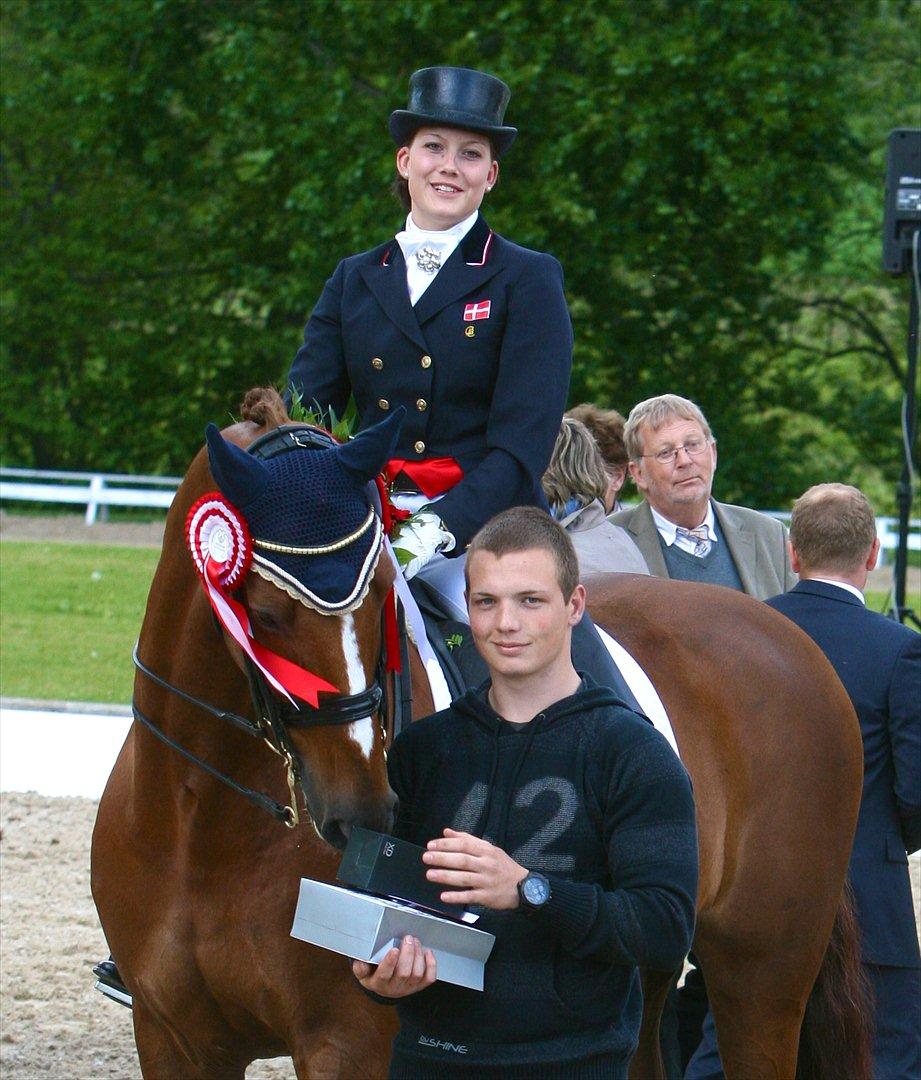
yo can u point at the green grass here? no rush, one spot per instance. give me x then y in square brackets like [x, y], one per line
[69, 617]
[878, 601]
[882, 601]
[70, 614]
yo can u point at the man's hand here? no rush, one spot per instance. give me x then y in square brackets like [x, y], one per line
[475, 871]
[402, 971]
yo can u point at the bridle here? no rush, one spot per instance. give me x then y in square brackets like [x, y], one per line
[272, 726]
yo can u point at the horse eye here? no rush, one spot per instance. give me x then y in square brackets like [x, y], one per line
[266, 619]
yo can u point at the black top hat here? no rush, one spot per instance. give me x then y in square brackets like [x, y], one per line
[458, 98]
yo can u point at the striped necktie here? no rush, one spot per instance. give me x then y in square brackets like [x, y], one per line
[700, 537]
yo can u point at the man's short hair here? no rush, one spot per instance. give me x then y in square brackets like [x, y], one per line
[832, 528]
[653, 413]
[607, 425]
[576, 469]
[525, 528]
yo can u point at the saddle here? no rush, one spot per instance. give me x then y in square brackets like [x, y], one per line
[451, 641]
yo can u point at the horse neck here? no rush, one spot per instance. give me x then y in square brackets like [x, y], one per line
[181, 643]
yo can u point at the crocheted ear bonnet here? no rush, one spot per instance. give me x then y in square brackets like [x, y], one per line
[305, 501]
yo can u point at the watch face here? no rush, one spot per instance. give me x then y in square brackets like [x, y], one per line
[535, 889]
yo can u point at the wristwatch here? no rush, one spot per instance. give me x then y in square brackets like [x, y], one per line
[533, 892]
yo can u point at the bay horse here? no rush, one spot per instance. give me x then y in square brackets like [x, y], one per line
[196, 887]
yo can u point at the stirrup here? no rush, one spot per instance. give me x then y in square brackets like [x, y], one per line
[109, 982]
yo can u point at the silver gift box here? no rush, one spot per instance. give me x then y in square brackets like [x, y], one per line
[365, 927]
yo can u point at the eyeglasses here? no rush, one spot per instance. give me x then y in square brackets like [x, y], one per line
[692, 447]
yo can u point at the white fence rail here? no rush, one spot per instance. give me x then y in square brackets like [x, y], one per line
[887, 529]
[96, 491]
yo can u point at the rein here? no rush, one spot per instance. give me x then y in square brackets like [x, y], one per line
[342, 709]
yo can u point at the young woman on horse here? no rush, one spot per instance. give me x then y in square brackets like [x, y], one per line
[452, 322]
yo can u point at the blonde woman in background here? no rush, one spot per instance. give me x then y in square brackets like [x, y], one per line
[576, 484]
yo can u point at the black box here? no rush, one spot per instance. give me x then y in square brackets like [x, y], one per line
[386, 866]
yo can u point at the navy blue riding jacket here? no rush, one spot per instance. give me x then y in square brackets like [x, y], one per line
[488, 391]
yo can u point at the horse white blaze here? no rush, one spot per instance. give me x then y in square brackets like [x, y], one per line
[362, 731]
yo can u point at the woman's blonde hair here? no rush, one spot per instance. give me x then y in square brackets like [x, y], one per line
[576, 469]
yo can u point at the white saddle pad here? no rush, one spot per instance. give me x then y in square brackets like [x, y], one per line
[641, 685]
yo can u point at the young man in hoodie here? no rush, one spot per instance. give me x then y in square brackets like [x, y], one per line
[563, 816]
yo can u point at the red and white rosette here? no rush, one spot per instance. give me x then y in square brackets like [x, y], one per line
[216, 530]
[219, 540]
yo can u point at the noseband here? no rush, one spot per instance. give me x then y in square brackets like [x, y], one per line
[272, 724]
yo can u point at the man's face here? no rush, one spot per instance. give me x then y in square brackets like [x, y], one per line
[520, 620]
[678, 489]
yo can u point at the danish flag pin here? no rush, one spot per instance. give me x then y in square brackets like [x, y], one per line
[472, 312]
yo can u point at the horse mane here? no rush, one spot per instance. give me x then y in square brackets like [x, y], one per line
[263, 406]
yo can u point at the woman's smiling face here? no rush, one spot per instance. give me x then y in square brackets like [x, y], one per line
[448, 172]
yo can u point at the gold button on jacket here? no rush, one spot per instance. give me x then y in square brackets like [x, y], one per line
[421, 404]
[377, 363]
[426, 361]
[419, 446]
[383, 403]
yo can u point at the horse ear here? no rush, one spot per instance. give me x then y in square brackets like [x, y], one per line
[240, 476]
[364, 456]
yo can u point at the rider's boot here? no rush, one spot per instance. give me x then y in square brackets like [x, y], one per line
[109, 982]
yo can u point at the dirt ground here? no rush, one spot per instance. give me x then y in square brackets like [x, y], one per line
[53, 1024]
[70, 529]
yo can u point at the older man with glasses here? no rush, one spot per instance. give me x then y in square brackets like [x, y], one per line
[684, 533]
[680, 529]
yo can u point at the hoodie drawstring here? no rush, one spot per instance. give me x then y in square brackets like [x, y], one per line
[532, 731]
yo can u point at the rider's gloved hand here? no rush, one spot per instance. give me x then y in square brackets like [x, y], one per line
[419, 539]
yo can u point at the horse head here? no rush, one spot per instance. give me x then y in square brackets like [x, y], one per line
[314, 592]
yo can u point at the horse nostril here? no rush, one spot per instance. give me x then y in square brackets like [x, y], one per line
[377, 814]
[336, 833]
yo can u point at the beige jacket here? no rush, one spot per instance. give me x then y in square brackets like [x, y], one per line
[756, 542]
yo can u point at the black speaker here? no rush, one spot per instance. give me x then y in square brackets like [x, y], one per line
[903, 198]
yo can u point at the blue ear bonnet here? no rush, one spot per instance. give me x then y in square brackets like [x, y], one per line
[305, 500]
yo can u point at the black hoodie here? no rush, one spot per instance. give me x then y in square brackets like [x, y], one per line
[591, 795]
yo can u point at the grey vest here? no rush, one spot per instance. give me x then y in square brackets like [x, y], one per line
[714, 568]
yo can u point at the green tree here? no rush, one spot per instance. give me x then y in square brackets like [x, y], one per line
[180, 178]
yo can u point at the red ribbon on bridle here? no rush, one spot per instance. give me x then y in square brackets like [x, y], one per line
[286, 677]
[392, 659]
[216, 528]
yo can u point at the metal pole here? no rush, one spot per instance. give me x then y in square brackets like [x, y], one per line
[904, 491]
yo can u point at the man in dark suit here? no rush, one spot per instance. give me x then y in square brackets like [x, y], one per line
[682, 531]
[833, 547]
